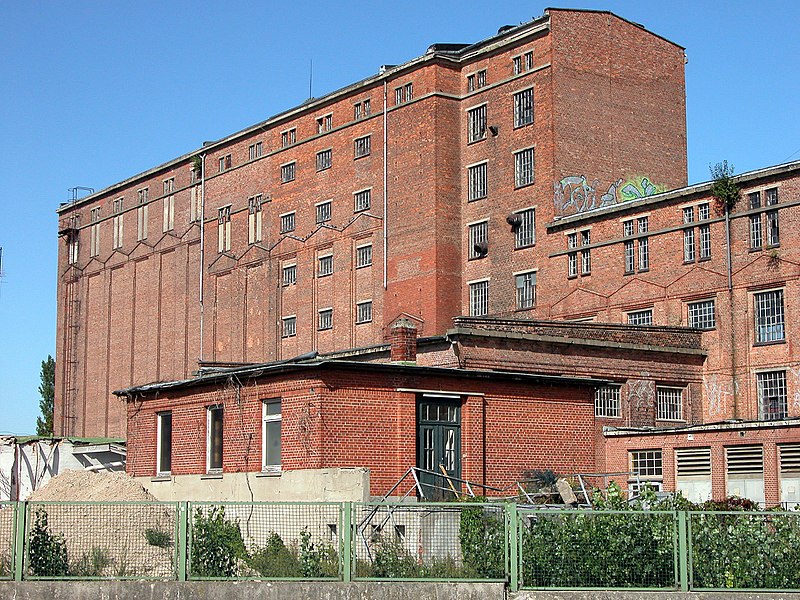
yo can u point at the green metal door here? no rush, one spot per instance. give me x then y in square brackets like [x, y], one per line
[438, 445]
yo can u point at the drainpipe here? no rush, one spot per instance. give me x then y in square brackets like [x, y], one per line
[732, 311]
[385, 184]
[202, 243]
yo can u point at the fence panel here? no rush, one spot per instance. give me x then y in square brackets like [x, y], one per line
[425, 541]
[229, 540]
[92, 540]
[7, 541]
[561, 549]
[744, 550]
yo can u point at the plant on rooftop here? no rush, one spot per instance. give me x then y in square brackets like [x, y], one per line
[723, 187]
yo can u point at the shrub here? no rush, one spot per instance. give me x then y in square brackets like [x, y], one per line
[392, 560]
[158, 537]
[47, 552]
[317, 560]
[217, 544]
[482, 535]
[92, 564]
[275, 559]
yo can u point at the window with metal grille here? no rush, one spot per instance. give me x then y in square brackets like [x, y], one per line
[289, 275]
[323, 210]
[325, 265]
[225, 162]
[325, 319]
[476, 121]
[524, 167]
[586, 254]
[790, 475]
[670, 404]
[481, 79]
[693, 473]
[525, 234]
[526, 290]
[523, 108]
[324, 159]
[470, 83]
[254, 219]
[773, 230]
[745, 472]
[324, 123]
[287, 172]
[214, 439]
[255, 150]
[572, 257]
[644, 245]
[702, 314]
[288, 137]
[362, 146]
[769, 317]
[771, 395]
[641, 317]
[478, 240]
[289, 326]
[476, 185]
[357, 111]
[287, 222]
[479, 298]
[607, 401]
[646, 463]
[364, 312]
[363, 256]
[224, 229]
[362, 200]
[271, 435]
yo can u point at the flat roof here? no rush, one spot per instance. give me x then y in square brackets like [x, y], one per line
[729, 425]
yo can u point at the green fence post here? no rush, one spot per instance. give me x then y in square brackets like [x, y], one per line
[683, 552]
[182, 541]
[20, 513]
[347, 541]
[513, 547]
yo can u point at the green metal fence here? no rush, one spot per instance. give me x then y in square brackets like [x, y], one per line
[8, 519]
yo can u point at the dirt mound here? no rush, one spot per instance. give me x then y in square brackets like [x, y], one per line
[92, 487]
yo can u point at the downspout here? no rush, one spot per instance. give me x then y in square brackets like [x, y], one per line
[202, 244]
[385, 184]
[734, 386]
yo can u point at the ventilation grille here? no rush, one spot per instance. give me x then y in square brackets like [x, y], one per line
[790, 458]
[745, 460]
[693, 461]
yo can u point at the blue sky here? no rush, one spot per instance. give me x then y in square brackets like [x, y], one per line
[94, 92]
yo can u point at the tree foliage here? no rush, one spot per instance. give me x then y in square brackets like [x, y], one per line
[723, 187]
[47, 390]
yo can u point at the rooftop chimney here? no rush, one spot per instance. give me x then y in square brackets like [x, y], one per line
[403, 338]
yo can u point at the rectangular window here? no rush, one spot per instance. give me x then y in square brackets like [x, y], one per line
[224, 229]
[754, 200]
[693, 473]
[790, 475]
[528, 56]
[670, 404]
[164, 444]
[586, 255]
[745, 472]
[409, 89]
[704, 213]
[607, 401]
[517, 60]
[288, 137]
[363, 256]
[117, 224]
[523, 63]
[362, 146]
[141, 214]
[478, 240]
[325, 319]
[287, 222]
[476, 182]
[225, 162]
[288, 326]
[476, 119]
[168, 223]
[523, 167]
[771, 395]
[256, 150]
[644, 246]
[214, 438]
[526, 290]
[479, 299]
[470, 83]
[94, 232]
[525, 232]
[647, 468]
[481, 79]
[325, 265]
[572, 257]
[523, 108]
[323, 211]
[72, 248]
[773, 232]
[362, 200]
[195, 204]
[769, 317]
[324, 123]
[271, 435]
[364, 312]
[399, 96]
[254, 219]
[688, 235]
[367, 107]
[289, 276]
[357, 111]
[641, 317]
[287, 172]
[324, 160]
[169, 186]
[702, 314]
[630, 258]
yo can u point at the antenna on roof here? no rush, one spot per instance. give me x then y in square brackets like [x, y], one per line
[310, 77]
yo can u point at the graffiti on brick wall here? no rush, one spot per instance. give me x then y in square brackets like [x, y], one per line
[795, 371]
[641, 393]
[717, 393]
[574, 194]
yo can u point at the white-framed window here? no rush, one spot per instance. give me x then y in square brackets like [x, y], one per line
[644, 245]
[117, 228]
[769, 317]
[669, 403]
[524, 167]
[572, 257]
[703, 214]
[525, 232]
[586, 253]
[325, 265]
[225, 162]
[254, 220]
[693, 473]
[476, 81]
[94, 232]
[523, 108]
[324, 123]
[476, 123]
[364, 311]
[754, 201]
[141, 214]
[640, 317]
[289, 275]
[607, 401]
[478, 240]
[362, 200]
[702, 314]
[324, 158]
[745, 472]
[772, 403]
[164, 443]
[367, 107]
[325, 320]
[288, 137]
[224, 229]
[525, 284]
[404, 93]
[688, 235]
[271, 434]
[214, 438]
[255, 150]
[323, 211]
[647, 468]
[362, 146]
[287, 222]
[630, 253]
[523, 62]
[773, 229]
[288, 172]
[363, 256]
[289, 326]
[168, 202]
[479, 298]
[476, 182]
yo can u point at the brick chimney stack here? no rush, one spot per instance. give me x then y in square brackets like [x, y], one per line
[403, 338]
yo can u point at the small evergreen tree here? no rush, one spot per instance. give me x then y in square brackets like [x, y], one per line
[47, 390]
[724, 188]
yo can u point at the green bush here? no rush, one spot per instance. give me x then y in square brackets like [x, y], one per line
[275, 559]
[217, 544]
[158, 537]
[47, 552]
[482, 535]
[317, 560]
[392, 560]
[92, 564]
